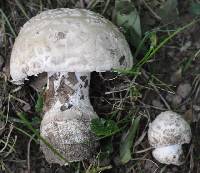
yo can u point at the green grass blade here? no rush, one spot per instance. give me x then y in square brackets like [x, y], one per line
[126, 144]
[28, 124]
[8, 22]
[149, 55]
[25, 133]
[22, 9]
[152, 51]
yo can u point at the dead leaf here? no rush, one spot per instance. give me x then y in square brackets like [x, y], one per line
[39, 82]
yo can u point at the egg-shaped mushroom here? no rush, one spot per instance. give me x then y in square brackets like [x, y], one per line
[166, 135]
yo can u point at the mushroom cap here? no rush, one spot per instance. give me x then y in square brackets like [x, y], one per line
[172, 154]
[169, 128]
[72, 40]
[69, 133]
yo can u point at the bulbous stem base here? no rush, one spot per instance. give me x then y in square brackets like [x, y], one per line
[66, 122]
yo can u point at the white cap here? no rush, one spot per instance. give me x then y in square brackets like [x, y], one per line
[169, 128]
[71, 40]
[166, 134]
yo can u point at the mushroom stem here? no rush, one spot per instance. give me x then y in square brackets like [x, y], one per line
[69, 90]
[171, 154]
[68, 113]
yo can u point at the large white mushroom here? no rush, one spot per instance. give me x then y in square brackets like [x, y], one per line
[68, 44]
[166, 134]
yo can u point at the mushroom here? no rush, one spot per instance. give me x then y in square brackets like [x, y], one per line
[68, 44]
[166, 134]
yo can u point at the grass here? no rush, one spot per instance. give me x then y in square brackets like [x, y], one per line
[153, 49]
[125, 109]
[4, 17]
[28, 124]
[22, 9]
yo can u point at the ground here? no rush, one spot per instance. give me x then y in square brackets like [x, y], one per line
[125, 101]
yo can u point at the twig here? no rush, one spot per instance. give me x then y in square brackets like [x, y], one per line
[7, 140]
[142, 151]
[19, 100]
[151, 106]
[11, 148]
[147, 160]
[28, 153]
[157, 91]
[106, 6]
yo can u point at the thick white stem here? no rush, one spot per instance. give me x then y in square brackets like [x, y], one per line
[67, 118]
[71, 91]
[172, 154]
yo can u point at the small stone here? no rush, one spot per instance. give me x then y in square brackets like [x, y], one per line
[188, 116]
[183, 108]
[117, 161]
[170, 53]
[196, 108]
[157, 103]
[26, 107]
[169, 97]
[185, 46]
[176, 76]
[184, 90]
[176, 100]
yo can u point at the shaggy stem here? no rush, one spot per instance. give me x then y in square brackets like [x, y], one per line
[68, 90]
[68, 113]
